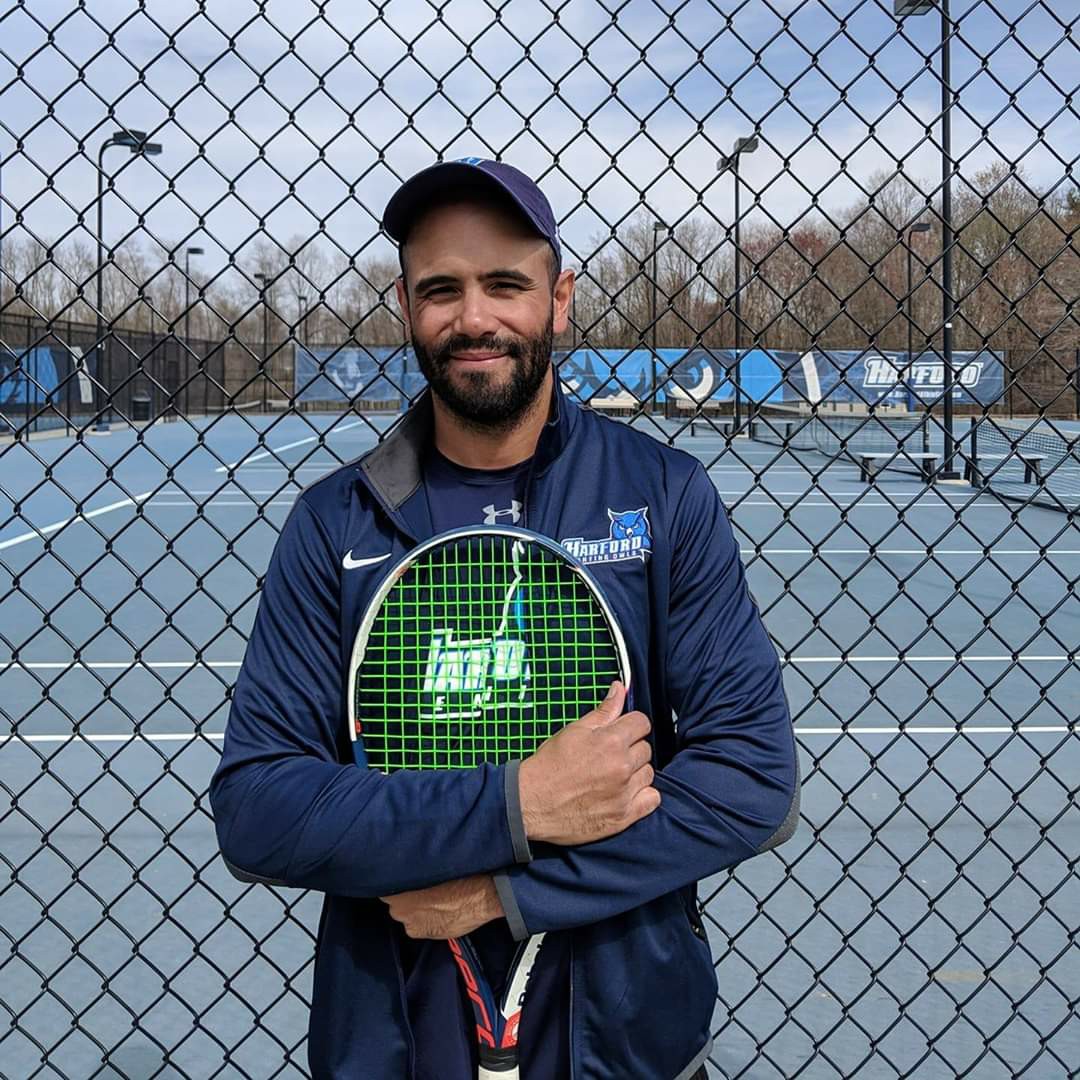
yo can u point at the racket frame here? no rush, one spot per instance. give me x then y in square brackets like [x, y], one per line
[411, 557]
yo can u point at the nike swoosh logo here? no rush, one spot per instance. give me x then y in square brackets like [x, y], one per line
[354, 564]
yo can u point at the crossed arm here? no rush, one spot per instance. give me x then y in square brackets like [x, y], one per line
[591, 780]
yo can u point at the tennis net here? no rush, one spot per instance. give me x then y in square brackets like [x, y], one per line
[1035, 463]
[839, 433]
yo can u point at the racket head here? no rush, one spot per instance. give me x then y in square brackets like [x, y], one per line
[476, 647]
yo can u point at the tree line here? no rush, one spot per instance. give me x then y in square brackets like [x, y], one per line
[835, 280]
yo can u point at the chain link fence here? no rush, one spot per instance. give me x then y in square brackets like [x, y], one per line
[829, 248]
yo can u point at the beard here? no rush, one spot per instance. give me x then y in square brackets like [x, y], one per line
[482, 399]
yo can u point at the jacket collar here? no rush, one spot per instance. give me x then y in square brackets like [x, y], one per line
[393, 470]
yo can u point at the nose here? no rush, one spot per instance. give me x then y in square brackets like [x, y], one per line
[476, 317]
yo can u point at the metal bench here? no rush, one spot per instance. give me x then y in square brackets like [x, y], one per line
[926, 461]
[974, 473]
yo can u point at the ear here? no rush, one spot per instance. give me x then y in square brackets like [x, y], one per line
[613, 517]
[403, 302]
[561, 295]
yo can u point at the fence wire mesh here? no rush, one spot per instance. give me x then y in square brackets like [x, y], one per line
[829, 248]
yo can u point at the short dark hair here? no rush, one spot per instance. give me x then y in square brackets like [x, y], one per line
[462, 193]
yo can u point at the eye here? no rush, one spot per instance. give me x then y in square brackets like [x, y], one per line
[508, 285]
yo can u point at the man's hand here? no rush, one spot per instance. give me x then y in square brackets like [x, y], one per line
[592, 779]
[449, 910]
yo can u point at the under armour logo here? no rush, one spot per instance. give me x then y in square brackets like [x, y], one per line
[513, 512]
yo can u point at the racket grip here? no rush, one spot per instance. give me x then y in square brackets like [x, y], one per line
[510, 1073]
[498, 1064]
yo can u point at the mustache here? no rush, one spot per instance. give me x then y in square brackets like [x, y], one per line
[460, 343]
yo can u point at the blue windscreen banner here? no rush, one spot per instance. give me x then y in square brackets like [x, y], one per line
[873, 377]
[375, 373]
[45, 385]
[627, 377]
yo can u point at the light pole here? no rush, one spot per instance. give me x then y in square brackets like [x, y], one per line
[1, 235]
[187, 292]
[135, 141]
[301, 303]
[902, 9]
[731, 161]
[264, 280]
[918, 227]
[658, 227]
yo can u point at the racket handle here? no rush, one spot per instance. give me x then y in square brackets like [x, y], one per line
[503, 1074]
[498, 1064]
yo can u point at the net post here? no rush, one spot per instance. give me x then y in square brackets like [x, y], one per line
[972, 467]
[1076, 383]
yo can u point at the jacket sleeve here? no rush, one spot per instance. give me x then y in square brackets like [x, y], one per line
[287, 811]
[730, 790]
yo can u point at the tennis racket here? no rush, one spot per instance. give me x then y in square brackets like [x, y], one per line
[478, 646]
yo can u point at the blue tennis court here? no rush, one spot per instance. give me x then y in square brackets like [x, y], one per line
[928, 641]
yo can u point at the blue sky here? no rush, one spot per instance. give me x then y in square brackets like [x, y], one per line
[654, 89]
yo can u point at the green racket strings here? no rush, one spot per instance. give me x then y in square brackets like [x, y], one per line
[482, 649]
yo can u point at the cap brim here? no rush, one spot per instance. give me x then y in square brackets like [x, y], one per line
[416, 195]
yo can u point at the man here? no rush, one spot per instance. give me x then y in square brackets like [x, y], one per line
[583, 839]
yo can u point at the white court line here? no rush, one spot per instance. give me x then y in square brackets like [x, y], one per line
[329, 467]
[978, 729]
[90, 739]
[163, 665]
[853, 469]
[188, 503]
[45, 530]
[915, 504]
[851, 732]
[966, 659]
[116, 665]
[289, 446]
[187, 492]
[911, 551]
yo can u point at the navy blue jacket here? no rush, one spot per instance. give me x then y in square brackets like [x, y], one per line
[292, 809]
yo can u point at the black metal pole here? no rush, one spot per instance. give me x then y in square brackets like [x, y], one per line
[738, 296]
[910, 305]
[103, 377]
[652, 393]
[187, 299]
[266, 346]
[948, 471]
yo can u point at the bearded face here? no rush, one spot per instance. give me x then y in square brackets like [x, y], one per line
[493, 394]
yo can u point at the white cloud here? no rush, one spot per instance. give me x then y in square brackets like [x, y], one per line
[355, 128]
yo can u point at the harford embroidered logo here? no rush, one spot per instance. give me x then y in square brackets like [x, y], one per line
[630, 538]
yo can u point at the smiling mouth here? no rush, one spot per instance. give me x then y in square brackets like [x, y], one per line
[477, 358]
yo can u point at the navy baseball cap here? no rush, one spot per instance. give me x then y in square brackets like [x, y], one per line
[415, 195]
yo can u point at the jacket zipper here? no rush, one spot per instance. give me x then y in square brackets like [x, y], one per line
[410, 1041]
[573, 1055]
